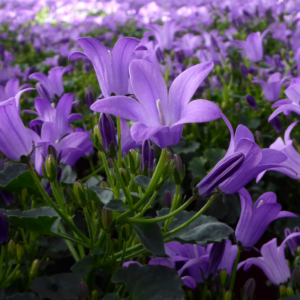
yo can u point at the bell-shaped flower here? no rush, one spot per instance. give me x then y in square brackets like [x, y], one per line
[272, 262]
[164, 34]
[60, 116]
[15, 139]
[159, 116]
[293, 243]
[111, 67]
[229, 257]
[256, 160]
[272, 87]
[253, 46]
[53, 83]
[290, 167]
[13, 90]
[254, 220]
[187, 44]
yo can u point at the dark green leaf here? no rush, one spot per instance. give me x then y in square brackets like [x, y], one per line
[150, 282]
[57, 287]
[15, 177]
[68, 176]
[186, 147]
[214, 155]
[202, 231]
[111, 297]
[84, 266]
[42, 220]
[26, 296]
[101, 194]
[142, 181]
[151, 237]
[197, 166]
[116, 205]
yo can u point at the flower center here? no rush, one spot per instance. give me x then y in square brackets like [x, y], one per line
[261, 202]
[162, 118]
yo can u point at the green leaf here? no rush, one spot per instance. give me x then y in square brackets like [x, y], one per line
[84, 266]
[202, 231]
[250, 123]
[150, 282]
[151, 237]
[62, 286]
[116, 205]
[142, 181]
[111, 297]
[26, 296]
[186, 147]
[15, 177]
[103, 195]
[43, 220]
[197, 166]
[68, 176]
[214, 155]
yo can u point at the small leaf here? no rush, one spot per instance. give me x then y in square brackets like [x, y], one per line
[68, 176]
[42, 220]
[62, 286]
[15, 177]
[197, 166]
[102, 194]
[150, 282]
[84, 266]
[111, 297]
[26, 296]
[151, 237]
[116, 205]
[142, 181]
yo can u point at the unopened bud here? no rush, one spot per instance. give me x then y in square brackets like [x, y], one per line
[276, 123]
[134, 160]
[251, 101]
[125, 176]
[51, 168]
[34, 268]
[249, 289]
[244, 70]
[20, 254]
[11, 248]
[282, 291]
[209, 295]
[97, 133]
[89, 98]
[167, 199]
[222, 171]
[290, 291]
[80, 194]
[224, 278]
[147, 157]
[95, 295]
[228, 295]
[83, 291]
[107, 218]
[296, 277]
[126, 232]
[178, 170]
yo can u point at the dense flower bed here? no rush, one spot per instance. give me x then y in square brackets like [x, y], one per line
[149, 149]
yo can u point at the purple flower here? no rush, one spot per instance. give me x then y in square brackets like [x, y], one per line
[254, 220]
[272, 262]
[108, 133]
[89, 98]
[290, 167]
[160, 116]
[293, 243]
[4, 235]
[148, 156]
[111, 68]
[251, 101]
[253, 46]
[272, 87]
[215, 256]
[256, 160]
[229, 257]
[222, 170]
[54, 82]
[187, 44]
[15, 139]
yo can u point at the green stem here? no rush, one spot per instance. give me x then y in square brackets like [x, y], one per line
[151, 187]
[159, 219]
[69, 244]
[134, 254]
[123, 254]
[109, 177]
[92, 174]
[232, 280]
[174, 205]
[108, 244]
[140, 214]
[57, 196]
[89, 225]
[196, 216]
[1, 260]
[119, 142]
[123, 186]
[11, 275]
[52, 204]
[205, 291]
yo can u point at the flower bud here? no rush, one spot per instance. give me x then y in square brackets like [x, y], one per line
[34, 268]
[20, 254]
[80, 194]
[147, 157]
[83, 291]
[178, 170]
[251, 101]
[95, 295]
[276, 123]
[244, 70]
[89, 98]
[107, 218]
[126, 232]
[167, 199]
[215, 257]
[134, 160]
[290, 291]
[209, 295]
[43, 92]
[11, 248]
[249, 289]
[97, 133]
[4, 236]
[125, 176]
[283, 53]
[296, 277]
[52, 151]
[228, 295]
[108, 135]
[50, 164]
[277, 61]
[222, 171]
[282, 291]
[224, 278]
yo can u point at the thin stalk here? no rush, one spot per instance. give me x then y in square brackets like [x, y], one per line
[11, 275]
[1, 260]
[159, 219]
[134, 254]
[232, 280]
[174, 205]
[89, 225]
[123, 186]
[151, 187]
[205, 291]
[93, 168]
[57, 196]
[123, 254]
[52, 204]
[196, 216]
[141, 213]
[108, 245]
[69, 244]
[92, 174]
[109, 177]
